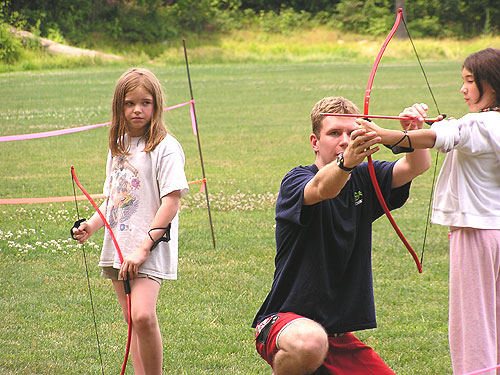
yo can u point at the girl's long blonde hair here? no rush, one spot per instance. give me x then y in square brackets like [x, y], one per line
[156, 131]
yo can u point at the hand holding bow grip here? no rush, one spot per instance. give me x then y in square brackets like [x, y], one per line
[76, 225]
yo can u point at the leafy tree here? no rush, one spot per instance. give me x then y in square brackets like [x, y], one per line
[10, 47]
[453, 17]
[154, 21]
[365, 16]
[312, 6]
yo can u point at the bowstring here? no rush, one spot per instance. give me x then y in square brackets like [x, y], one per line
[88, 284]
[437, 153]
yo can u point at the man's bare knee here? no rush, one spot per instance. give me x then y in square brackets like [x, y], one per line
[303, 346]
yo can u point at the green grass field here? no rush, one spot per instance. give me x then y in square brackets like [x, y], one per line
[254, 126]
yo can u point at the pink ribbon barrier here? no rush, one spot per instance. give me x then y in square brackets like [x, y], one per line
[179, 105]
[482, 371]
[70, 198]
[193, 118]
[22, 137]
[52, 133]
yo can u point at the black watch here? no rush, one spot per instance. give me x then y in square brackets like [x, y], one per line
[340, 163]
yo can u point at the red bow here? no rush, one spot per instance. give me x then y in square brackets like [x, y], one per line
[126, 283]
[370, 162]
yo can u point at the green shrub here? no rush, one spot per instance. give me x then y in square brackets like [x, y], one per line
[139, 25]
[53, 33]
[283, 21]
[10, 47]
[370, 17]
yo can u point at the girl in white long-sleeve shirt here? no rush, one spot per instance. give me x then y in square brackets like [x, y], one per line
[467, 199]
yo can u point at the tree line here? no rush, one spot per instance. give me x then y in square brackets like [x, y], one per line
[154, 21]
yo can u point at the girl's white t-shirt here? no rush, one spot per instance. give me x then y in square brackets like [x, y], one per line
[134, 186]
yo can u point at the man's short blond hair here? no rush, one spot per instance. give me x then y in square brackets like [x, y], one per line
[331, 104]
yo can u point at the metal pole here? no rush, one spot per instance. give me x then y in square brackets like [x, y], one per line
[199, 144]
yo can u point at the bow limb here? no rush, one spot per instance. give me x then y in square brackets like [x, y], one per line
[370, 161]
[126, 282]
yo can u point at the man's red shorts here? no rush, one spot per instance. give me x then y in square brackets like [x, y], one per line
[346, 355]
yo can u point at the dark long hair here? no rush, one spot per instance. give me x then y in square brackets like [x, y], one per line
[485, 66]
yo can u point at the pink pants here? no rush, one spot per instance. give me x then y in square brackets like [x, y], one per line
[474, 321]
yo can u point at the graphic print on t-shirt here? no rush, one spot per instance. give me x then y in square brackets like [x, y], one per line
[124, 199]
[358, 197]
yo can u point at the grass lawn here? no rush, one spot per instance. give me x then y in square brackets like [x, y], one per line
[254, 126]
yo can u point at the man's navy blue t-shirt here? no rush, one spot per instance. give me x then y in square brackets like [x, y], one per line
[323, 259]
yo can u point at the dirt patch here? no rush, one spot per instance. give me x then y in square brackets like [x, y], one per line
[58, 48]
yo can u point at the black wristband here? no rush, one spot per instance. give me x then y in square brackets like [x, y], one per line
[164, 238]
[400, 149]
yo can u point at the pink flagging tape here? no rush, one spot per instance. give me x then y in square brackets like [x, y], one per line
[52, 133]
[68, 198]
[179, 105]
[482, 371]
[193, 118]
[22, 137]
[71, 198]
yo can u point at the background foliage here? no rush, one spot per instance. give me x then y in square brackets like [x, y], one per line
[236, 30]
[160, 20]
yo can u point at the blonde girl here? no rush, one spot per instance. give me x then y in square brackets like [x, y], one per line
[145, 181]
